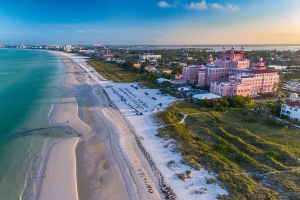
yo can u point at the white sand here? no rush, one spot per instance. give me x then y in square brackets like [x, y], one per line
[146, 129]
[61, 184]
[67, 114]
[61, 181]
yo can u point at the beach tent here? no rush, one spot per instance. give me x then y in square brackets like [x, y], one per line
[206, 96]
[160, 80]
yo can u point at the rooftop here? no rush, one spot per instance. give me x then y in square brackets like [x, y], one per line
[264, 71]
[235, 52]
[293, 104]
[193, 66]
[206, 96]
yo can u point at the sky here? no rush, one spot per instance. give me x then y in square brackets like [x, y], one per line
[150, 22]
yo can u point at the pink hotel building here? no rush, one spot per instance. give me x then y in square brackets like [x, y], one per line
[232, 75]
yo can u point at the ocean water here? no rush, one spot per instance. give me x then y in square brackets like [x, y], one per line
[30, 84]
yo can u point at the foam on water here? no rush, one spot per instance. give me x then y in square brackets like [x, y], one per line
[30, 83]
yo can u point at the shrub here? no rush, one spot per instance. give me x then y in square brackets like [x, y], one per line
[211, 181]
[171, 162]
[250, 120]
[198, 138]
[222, 109]
[199, 192]
[276, 156]
[188, 173]
[185, 153]
[222, 148]
[197, 166]
[181, 176]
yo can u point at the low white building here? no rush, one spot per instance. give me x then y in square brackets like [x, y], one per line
[68, 48]
[291, 109]
[149, 56]
[151, 69]
[108, 58]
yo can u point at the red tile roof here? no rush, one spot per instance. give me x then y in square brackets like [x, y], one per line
[235, 52]
[293, 104]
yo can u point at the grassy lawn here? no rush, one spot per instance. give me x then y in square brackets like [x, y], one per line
[115, 73]
[251, 106]
[239, 145]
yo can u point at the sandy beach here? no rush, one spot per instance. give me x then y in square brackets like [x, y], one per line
[114, 152]
[137, 107]
[95, 163]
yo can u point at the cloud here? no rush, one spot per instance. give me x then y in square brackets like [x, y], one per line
[197, 6]
[202, 5]
[164, 4]
[229, 7]
[80, 31]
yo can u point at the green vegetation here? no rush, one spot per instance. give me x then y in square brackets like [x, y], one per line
[251, 106]
[255, 157]
[222, 104]
[118, 73]
[181, 176]
[211, 181]
[170, 117]
[115, 73]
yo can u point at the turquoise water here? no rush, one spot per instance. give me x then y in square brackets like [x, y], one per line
[30, 83]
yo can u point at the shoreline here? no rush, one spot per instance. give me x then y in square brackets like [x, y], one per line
[130, 100]
[100, 157]
[116, 147]
[127, 154]
[58, 174]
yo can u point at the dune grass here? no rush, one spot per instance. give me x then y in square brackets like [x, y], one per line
[253, 158]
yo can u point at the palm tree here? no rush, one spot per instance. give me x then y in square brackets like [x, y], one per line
[260, 93]
[278, 87]
[275, 86]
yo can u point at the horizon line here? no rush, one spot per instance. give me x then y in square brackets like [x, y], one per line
[232, 44]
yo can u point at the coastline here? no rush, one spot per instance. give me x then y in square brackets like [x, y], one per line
[129, 100]
[116, 148]
[100, 163]
[60, 160]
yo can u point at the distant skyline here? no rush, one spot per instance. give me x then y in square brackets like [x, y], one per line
[150, 22]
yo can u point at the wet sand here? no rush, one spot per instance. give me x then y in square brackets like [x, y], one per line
[108, 161]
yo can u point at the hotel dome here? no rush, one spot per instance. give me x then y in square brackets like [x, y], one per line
[294, 97]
